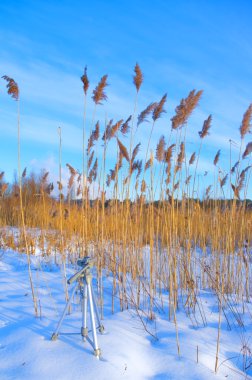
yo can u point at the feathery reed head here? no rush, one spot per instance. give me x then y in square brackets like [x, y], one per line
[206, 126]
[246, 122]
[159, 109]
[192, 158]
[125, 126]
[123, 150]
[24, 173]
[71, 169]
[185, 109]
[216, 158]
[223, 181]
[138, 77]
[135, 151]
[12, 87]
[146, 112]
[168, 153]
[160, 150]
[107, 132]
[85, 81]
[115, 128]
[98, 93]
[248, 150]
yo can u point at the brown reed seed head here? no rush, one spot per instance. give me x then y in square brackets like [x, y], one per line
[188, 179]
[185, 109]
[236, 191]
[192, 158]
[138, 77]
[208, 190]
[123, 150]
[98, 93]
[223, 181]
[12, 87]
[248, 150]
[146, 112]
[246, 122]
[143, 186]
[125, 126]
[206, 126]
[135, 151]
[90, 160]
[107, 132]
[115, 128]
[216, 158]
[96, 131]
[168, 153]
[85, 81]
[159, 109]
[24, 173]
[73, 171]
[160, 150]
[181, 155]
[1, 176]
[234, 167]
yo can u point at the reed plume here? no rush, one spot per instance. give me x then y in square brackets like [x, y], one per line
[160, 150]
[85, 81]
[12, 87]
[24, 173]
[72, 171]
[125, 126]
[216, 158]
[192, 158]
[185, 109]
[138, 77]
[123, 150]
[245, 125]
[90, 160]
[223, 181]
[248, 150]
[159, 108]
[114, 129]
[181, 156]
[145, 113]
[234, 167]
[98, 93]
[107, 132]
[135, 151]
[206, 126]
[188, 179]
[168, 153]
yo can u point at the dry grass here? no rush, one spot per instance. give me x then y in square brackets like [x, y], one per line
[152, 204]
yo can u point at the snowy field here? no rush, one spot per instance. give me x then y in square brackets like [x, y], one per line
[128, 351]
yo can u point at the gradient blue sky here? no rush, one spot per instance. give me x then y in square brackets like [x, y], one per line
[180, 45]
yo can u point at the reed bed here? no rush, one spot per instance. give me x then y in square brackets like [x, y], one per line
[146, 224]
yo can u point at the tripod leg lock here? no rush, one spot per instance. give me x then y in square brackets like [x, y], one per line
[54, 336]
[97, 352]
[101, 329]
[84, 332]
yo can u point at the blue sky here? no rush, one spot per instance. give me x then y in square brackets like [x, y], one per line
[179, 45]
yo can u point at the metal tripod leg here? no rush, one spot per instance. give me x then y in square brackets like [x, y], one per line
[100, 326]
[56, 333]
[84, 329]
[97, 351]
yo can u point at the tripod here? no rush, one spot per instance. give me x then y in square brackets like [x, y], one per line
[83, 280]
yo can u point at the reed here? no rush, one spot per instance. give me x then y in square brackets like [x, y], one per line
[147, 224]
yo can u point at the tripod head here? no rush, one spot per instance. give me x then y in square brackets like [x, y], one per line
[86, 263]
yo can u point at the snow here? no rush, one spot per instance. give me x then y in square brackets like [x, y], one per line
[128, 351]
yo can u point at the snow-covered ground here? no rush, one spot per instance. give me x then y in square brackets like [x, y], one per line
[128, 351]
